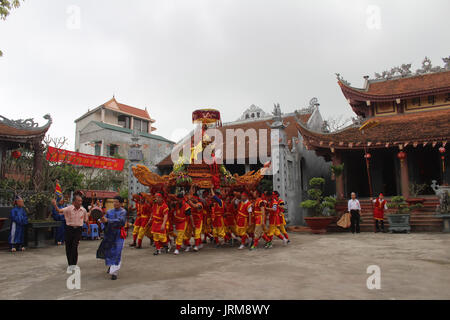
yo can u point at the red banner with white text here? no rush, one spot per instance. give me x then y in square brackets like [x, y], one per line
[83, 159]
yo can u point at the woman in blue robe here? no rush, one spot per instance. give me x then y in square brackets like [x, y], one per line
[19, 220]
[111, 246]
[59, 232]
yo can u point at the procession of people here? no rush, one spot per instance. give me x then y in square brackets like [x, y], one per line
[186, 221]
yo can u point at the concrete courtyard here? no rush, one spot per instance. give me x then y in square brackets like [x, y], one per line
[331, 266]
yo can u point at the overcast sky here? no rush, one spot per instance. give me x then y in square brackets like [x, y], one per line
[63, 57]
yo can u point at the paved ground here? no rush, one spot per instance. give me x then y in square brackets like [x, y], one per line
[332, 266]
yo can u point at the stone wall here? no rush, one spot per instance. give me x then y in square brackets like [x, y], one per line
[297, 166]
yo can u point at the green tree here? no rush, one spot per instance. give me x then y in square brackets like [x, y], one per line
[5, 9]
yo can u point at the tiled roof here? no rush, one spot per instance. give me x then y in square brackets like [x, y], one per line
[386, 90]
[12, 132]
[129, 131]
[411, 128]
[6, 130]
[112, 104]
[291, 131]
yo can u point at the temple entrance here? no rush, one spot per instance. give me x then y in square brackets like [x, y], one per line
[355, 174]
[424, 166]
[382, 171]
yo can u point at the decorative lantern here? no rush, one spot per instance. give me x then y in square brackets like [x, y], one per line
[367, 155]
[16, 154]
[401, 155]
[442, 151]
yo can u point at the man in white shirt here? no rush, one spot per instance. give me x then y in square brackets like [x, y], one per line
[355, 210]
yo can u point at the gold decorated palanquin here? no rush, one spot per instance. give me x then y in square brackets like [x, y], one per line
[187, 172]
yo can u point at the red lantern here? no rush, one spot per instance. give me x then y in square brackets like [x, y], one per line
[401, 155]
[16, 154]
[442, 150]
[367, 156]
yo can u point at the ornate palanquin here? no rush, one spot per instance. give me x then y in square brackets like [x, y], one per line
[186, 172]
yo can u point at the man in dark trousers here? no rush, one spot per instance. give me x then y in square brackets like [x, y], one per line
[75, 215]
[354, 208]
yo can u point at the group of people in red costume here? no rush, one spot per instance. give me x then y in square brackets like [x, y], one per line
[185, 221]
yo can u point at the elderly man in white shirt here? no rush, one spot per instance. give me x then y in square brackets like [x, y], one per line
[354, 208]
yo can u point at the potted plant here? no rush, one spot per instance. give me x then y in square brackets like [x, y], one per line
[414, 190]
[399, 221]
[319, 206]
[38, 206]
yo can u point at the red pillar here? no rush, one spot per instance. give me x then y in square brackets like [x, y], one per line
[404, 177]
[337, 160]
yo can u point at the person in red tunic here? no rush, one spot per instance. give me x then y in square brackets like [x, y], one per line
[207, 221]
[274, 220]
[380, 204]
[146, 212]
[244, 210]
[182, 217]
[217, 217]
[137, 198]
[160, 215]
[230, 223]
[195, 229]
[259, 218]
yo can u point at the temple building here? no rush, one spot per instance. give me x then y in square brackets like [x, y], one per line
[107, 131]
[402, 128]
[296, 164]
[23, 134]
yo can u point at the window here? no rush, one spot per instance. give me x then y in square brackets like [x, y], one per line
[144, 126]
[416, 101]
[447, 97]
[113, 150]
[247, 116]
[124, 121]
[257, 114]
[431, 99]
[98, 148]
[140, 125]
[136, 124]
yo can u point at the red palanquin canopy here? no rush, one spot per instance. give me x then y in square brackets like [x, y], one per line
[206, 116]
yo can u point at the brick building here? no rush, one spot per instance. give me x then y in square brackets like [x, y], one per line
[107, 131]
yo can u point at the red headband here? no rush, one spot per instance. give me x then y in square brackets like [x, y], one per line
[158, 195]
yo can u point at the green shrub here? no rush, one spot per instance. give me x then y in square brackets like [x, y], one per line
[317, 202]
